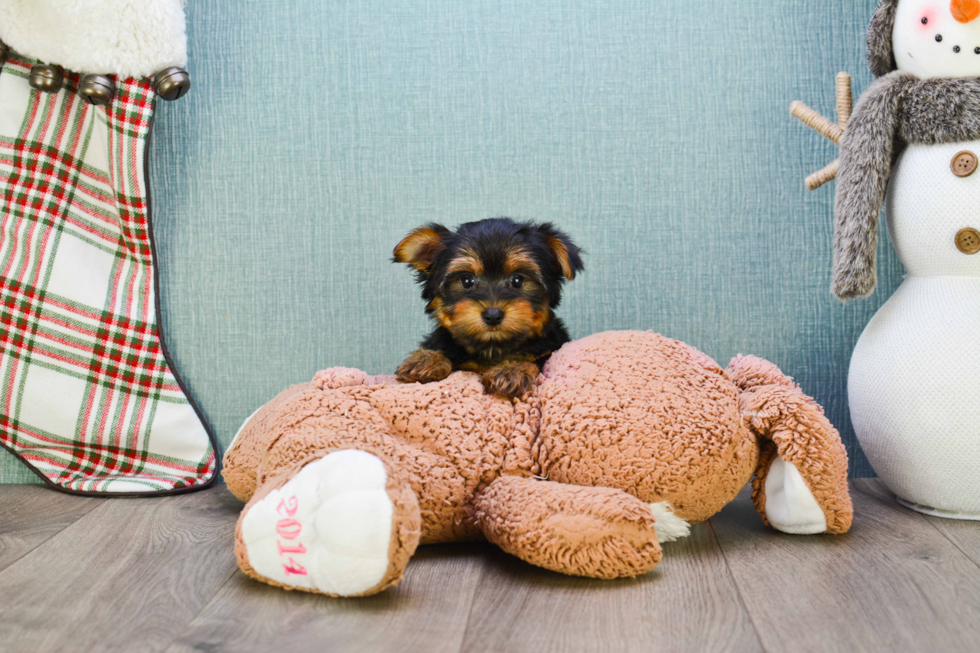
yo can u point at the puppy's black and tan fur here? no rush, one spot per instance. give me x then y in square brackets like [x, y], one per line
[492, 286]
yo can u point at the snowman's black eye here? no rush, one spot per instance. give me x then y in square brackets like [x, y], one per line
[956, 49]
[976, 50]
[939, 38]
[925, 21]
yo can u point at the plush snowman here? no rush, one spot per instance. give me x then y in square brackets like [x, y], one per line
[913, 144]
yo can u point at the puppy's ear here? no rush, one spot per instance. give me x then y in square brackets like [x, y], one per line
[420, 248]
[567, 254]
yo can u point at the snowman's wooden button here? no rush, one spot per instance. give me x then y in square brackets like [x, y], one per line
[964, 164]
[968, 241]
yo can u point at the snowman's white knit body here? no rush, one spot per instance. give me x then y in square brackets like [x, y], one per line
[914, 383]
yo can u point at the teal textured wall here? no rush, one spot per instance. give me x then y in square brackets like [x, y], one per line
[656, 133]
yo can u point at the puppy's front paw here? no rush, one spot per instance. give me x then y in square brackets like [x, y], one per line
[511, 379]
[424, 366]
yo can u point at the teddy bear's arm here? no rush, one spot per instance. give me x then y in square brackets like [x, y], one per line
[800, 485]
[583, 531]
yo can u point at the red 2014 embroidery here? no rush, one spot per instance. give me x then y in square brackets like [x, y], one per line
[290, 506]
[289, 529]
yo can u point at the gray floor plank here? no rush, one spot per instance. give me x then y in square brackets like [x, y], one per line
[126, 577]
[33, 514]
[688, 603]
[427, 612]
[965, 535]
[892, 584]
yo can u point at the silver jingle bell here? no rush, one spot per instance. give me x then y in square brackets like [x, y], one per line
[46, 77]
[172, 83]
[96, 89]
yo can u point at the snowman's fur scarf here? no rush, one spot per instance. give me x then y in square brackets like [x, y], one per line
[129, 38]
[897, 110]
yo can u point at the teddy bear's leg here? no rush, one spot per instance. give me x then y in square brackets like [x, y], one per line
[583, 531]
[244, 456]
[344, 524]
[800, 486]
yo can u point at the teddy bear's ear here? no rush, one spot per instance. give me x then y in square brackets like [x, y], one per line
[567, 253]
[421, 246]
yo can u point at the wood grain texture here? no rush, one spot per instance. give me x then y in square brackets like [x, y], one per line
[159, 574]
[892, 584]
[32, 514]
[965, 535]
[688, 603]
[427, 612]
[126, 577]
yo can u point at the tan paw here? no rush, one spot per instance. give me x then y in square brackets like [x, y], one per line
[424, 366]
[510, 379]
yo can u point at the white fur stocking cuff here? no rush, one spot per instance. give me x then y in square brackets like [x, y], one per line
[129, 38]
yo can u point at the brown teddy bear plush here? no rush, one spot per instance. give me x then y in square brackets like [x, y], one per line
[625, 440]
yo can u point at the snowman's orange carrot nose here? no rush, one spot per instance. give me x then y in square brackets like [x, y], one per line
[965, 10]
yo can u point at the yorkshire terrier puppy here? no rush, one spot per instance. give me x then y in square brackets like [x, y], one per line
[492, 286]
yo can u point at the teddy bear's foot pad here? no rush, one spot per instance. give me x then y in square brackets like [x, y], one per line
[328, 529]
[790, 505]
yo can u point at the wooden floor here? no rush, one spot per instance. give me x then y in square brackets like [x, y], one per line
[81, 574]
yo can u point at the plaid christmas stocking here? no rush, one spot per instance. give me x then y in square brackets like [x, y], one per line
[88, 397]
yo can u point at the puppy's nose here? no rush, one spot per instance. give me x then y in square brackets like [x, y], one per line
[493, 316]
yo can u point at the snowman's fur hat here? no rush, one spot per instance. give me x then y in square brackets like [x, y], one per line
[881, 57]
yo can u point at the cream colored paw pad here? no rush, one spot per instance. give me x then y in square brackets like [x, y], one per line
[790, 505]
[327, 529]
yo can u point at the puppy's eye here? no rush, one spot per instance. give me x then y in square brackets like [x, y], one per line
[517, 281]
[467, 281]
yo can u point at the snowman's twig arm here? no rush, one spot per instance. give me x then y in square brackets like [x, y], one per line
[867, 152]
[826, 128]
[845, 99]
[824, 176]
[815, 121]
